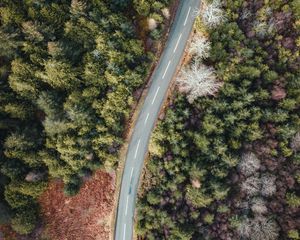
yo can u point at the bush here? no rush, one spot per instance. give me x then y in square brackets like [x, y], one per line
[5, 214]
[235, 222]
[293, 200]
[71, 189]
[16, 199]
[33, 189]
[24, 220]
[155, 34]
[293, 234]
[209, 218]
[223, 209]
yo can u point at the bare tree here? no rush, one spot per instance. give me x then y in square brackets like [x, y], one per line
[258, 228]
[251, 186]
[244, 228]
[246, 13]
[249, 164]
[200, 47]
[258, 206]
[264, 229]
[295, 143]
[268, 185]
[198, 81]
[242, 205]
[212, 14]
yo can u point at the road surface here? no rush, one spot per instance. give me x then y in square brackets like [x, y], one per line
[138, 146]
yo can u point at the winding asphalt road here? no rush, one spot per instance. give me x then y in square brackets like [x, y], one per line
[138, 146]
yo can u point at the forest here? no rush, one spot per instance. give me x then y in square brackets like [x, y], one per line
[68, 73]
[224, 162]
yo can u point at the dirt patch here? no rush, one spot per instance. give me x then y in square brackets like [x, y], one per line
[86, 216]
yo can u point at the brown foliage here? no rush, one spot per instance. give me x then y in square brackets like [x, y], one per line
[278, 93]
[85, 216]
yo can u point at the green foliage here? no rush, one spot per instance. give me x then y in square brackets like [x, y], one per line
[17, 199]
[24, 220]
[142, 7]
[209, 218]
[22, 146]
[235, 221]
[293, 234]
[19, 110]
[8, 44]
[153, 198]
[153, 15]
[5, 214]
[293, 200]
[146, 7]
[22, 79]
[223, 209]
[198, 198]
[32, 189]
[59, 75]
[195, 149]
[68, 73]
[71, 189]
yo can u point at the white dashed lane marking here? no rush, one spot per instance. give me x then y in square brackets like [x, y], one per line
[124, 236]
[146, 119]
[131, 173]
[187, 16]
[177, 43]
[126, 206]
[155, 95]
[137, 148]
[166, 70]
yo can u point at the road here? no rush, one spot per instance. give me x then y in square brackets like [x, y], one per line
[138, 146]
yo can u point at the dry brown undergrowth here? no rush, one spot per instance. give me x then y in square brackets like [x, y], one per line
[85, 216]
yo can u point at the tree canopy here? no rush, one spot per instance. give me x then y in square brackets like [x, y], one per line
[68, 73]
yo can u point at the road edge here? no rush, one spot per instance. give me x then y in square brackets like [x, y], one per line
[134, 116]
[163, 109]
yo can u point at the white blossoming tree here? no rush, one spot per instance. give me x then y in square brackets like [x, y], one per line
[152, 24]
[212, 14]
[198, 81]
[200, 47]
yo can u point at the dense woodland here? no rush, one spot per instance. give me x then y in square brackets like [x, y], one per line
[225, 160]
[68, 73]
